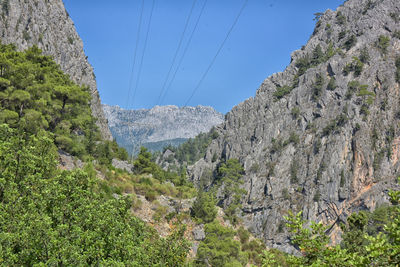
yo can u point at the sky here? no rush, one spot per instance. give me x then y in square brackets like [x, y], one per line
[218, 61]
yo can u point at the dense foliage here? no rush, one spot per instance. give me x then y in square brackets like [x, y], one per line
[219, 248]
[58, 217]
[36, 95]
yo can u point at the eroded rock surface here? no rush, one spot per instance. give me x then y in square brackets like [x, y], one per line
[327, 148]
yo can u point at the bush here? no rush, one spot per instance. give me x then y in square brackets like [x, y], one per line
[219, 248]
[295, 112]
[282, 91]
[364, 55]
[356, 66]
[204, 207]
[331, 84]
[350, 42]
[397, 75]
[383, 43]
[340, 18]
[150, 195]
[318, 86]
[285, 194]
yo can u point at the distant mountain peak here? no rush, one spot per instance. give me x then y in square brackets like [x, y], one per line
[160, 124]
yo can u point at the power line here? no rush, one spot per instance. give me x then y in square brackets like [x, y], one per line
[218, 51]
[144, 51]
[184, 51]
[141, 60]
[176, 52]
[134, 56]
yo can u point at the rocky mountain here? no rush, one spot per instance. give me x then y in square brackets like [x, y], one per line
[162, 125]
[47, 24]
[323, 136]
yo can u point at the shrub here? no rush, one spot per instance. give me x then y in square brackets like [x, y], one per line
[364, 55]
[340, 18]
[350, 42]
[159, 213]
[397, 76]
[282, 91]
[219, 247]
[295, 112]
[150, 195]
[352, 87]
[294, 138]
[363, 91]
[341, 35]
[317, 196]
[204, 207]
[342, 179]
[318, 86]
[303, 64]
[243, 234]
[317, 56]
[331, 84]
[285, 194]
[254, 168]
[383, 43]
[356, 66]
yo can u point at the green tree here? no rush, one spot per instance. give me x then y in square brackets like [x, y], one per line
[204, 207]
[53, 217]
[229, 177]
[219, 248]
[143, 163]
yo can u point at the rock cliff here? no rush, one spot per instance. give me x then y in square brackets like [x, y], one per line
[323, 136]
[47, 24]
[160, 125]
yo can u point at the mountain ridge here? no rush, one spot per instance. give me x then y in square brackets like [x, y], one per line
[322, 136]
[160, 123]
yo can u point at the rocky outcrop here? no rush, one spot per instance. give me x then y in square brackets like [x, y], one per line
[161, 124]
[323, 136]
[47, 24]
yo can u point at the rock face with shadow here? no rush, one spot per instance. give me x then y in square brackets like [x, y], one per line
[323, 136]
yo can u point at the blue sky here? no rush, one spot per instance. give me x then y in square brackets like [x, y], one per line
[260, 44]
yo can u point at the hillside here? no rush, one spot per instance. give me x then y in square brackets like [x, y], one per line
[48, 25]
[323, 136]
[160, 126]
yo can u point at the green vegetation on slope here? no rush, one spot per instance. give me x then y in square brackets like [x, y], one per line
[36, 95]
[194, 148]
[54, 217]
[369, 239]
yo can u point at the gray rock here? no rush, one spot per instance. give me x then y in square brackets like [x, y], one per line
[161, 124]
[47, 24]
[123, 165]
[68, 162]
[348, 149]
[198, 232]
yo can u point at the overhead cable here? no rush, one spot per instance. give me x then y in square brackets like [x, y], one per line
[135, 53]
[184, 51]
[176, 52]
[216, 55]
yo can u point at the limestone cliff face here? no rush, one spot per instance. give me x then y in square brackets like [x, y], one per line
[159, 125]
[323, 136]
[46, 23]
